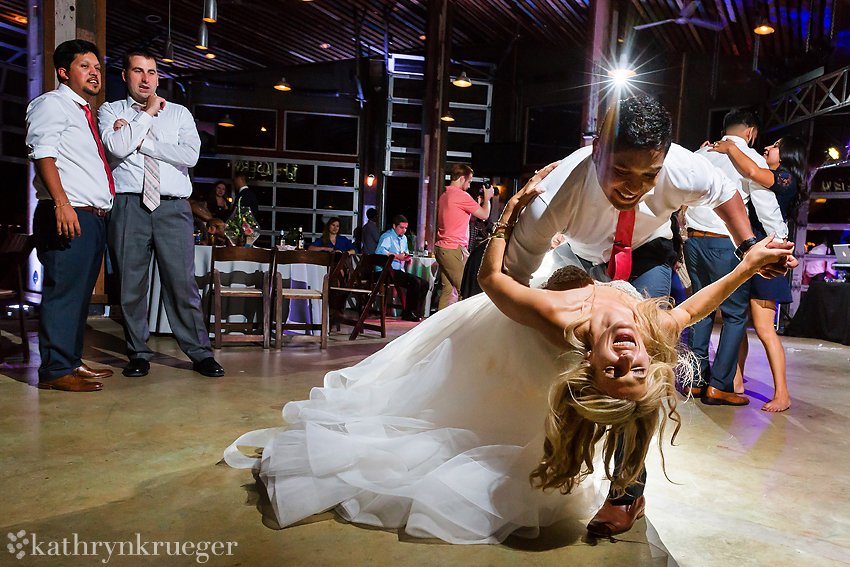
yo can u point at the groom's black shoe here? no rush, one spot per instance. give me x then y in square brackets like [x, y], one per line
[136, 367]
[209, 367]
[612, 519]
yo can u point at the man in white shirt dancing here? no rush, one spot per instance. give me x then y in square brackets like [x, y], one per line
[74, 188]
[710, 255]
[616, 198]
[151, 145]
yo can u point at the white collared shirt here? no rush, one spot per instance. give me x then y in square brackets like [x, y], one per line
[764, 200]
[57, 128]
[176, 148]
[575, 205]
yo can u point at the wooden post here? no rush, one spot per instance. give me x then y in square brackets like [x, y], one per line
[599, 14]
[431, 169]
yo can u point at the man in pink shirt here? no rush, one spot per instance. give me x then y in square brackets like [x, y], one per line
[453, 211]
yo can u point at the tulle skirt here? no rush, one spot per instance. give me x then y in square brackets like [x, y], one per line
[437, 433]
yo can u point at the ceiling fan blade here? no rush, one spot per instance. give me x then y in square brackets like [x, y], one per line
[689, 10]
[712, 25]
[653, 24]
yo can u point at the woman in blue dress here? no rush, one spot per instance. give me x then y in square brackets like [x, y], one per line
[331, 240]
[786, 177]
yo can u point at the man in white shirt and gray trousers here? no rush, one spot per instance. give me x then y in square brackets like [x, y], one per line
[74, 188]
[710, 255]
[151, 145]
[614, 198]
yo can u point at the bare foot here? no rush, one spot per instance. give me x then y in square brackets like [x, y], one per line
[777, 404]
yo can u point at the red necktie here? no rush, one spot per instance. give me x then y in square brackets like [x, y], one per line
[90, 118]
[620, 265]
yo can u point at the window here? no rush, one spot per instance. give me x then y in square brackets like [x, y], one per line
[322, 133]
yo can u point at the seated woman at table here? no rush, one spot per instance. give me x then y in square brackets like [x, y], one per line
[331, 240]
[786, 176]
[217, 202]
[453, 429]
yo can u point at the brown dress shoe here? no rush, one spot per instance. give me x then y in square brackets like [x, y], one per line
[691, 391]
[715, 397]
[71, 383]
[84, 371]
[612, 519]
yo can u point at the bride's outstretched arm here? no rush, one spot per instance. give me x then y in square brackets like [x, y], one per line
[533, 308]
[709, 298]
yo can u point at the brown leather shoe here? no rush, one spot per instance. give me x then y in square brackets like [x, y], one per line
[84, 371]
[691, 391]
[612, 520]
[71, 383]
[715, 397]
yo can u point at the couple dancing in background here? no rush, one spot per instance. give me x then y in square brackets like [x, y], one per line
[474, 425]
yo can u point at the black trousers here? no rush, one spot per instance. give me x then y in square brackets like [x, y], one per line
[71, 268]
[414, 287]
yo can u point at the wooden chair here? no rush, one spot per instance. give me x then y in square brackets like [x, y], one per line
[14, 253]
[368, 284]
[325, 259]
[217, 291]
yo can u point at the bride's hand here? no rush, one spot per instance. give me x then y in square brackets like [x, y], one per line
[768, 253]
[524, 196]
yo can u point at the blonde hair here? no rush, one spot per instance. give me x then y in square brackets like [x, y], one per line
[580, 414]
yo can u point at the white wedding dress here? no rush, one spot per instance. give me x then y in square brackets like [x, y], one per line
[437, 433]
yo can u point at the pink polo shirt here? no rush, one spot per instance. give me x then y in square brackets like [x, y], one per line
[453, 211]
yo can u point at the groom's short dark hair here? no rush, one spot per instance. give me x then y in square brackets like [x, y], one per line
[642, 124]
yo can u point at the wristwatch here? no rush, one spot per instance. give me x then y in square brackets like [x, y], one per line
[744, 247]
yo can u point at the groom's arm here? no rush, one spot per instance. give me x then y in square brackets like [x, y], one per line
[545, 216]
[531, 240]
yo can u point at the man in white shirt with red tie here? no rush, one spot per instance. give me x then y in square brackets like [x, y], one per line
[152, 144]
[74, 188]
[613, 201]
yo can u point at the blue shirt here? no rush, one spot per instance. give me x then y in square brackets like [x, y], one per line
[392, 243]
[342, 244]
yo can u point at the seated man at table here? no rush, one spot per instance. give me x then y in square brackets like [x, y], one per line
[394, 243]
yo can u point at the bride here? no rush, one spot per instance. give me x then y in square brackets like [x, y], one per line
[474, 425]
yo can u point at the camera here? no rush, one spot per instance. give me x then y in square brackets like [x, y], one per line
[488, 185]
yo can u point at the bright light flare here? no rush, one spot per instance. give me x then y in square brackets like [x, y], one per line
[621, 76]
[833, 153]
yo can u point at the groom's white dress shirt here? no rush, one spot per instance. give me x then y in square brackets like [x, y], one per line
[575, 205]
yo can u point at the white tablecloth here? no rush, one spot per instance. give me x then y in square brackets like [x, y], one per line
[238, 309]
[425, 268]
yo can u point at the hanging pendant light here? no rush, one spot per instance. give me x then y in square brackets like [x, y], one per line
[226, 122]
[210, 11]
[203, 37]
[282, 85]
[447, 117]
[462, 81]
[765, 27]
[168, 57]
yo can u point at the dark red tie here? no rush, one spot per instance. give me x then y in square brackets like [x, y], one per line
[620, 265]
[90, 118]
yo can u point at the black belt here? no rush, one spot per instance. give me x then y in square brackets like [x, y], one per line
[161, 197]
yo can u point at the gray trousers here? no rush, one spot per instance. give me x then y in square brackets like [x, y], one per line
[134, 235]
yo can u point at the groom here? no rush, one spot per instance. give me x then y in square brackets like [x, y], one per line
[615, 198]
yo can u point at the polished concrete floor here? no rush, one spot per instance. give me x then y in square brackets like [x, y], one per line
[144, 457]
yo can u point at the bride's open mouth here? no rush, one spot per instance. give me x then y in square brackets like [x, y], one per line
[624, 340]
